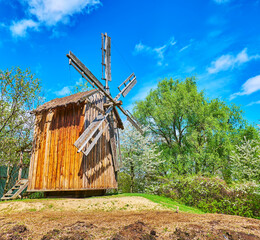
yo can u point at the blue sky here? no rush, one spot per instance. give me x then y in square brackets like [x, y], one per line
[218, 41]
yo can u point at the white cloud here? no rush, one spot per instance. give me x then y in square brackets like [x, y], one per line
[50, 12]
[20, 28]
[250, 86]
[67, 90]
[221, 1]
[142, 48]
[185, 47]
[63, 92]
[253, 103]
[160, 54]
[157, 52]
[228, 61]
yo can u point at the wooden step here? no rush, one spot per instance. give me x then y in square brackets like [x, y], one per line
[20, 186]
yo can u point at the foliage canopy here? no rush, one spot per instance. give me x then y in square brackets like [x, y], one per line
[196, 135]
[19, 93]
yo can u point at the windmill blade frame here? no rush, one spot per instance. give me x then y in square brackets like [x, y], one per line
[86, 136]
[129, 83]
[83, 70]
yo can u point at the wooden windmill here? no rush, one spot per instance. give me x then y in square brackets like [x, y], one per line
[75, 148]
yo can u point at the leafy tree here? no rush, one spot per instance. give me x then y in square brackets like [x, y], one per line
[195, 134]
[246, 161]
[19, 93]
[140, 157]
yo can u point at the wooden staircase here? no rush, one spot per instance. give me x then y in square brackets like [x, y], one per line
[16, 190]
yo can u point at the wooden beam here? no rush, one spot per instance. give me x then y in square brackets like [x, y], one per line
[108, 58]
[79, 66]
[119, 149]
[112, 142]
[118, 103]
[119, 121]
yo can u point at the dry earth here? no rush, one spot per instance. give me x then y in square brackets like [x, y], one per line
[116, 218]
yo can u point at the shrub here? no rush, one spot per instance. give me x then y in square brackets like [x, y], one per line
[123, 182]
[214, 195]
[35, 195]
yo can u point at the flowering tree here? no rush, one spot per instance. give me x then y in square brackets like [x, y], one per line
[246, 161]
[140, 158]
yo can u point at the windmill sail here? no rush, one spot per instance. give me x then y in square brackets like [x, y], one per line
[132, 120]
[95, 140]
[88, 134]
[128, 85]
[135, 124]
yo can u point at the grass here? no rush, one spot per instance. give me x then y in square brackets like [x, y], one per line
[31, 200]
[164, 201]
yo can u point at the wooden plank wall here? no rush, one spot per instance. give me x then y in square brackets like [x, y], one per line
[55, 164]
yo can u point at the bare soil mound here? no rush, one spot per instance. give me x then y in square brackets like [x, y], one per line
[136, 230]
[78, 230]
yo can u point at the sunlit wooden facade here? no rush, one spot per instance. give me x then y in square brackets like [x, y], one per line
[55, 163]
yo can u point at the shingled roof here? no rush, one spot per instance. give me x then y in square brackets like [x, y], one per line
[73, 99]
[59, 102]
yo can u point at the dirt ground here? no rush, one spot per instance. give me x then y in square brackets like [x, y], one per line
[120, 219]
[85, 204]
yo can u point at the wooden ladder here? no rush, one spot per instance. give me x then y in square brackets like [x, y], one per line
[16, 190]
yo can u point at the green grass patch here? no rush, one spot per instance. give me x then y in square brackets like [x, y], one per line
[31, 200]
[164, 201]
[32, 210]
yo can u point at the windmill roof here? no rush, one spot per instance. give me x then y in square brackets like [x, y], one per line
[59, 102]
[73, 99]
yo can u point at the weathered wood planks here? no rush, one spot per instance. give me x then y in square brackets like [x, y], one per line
[56, 165]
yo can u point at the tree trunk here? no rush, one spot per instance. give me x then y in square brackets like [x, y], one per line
[8, 173]
[132, 175]
[20, 166]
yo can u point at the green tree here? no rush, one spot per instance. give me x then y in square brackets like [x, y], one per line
[19, 94]
[195, 134]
